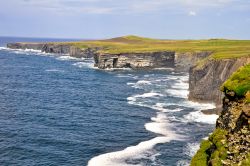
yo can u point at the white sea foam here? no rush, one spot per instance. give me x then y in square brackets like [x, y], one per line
[139, 84]
[126, 76]
[191, 148]
[4, 48]
[178, 93]
[144, 95]
[182, 163]
[88, 64]
[160, 107]
[198, 116]
[116, 69]
[180, 85]
[66, 58]
[27, 51]
[164, 68]
[159, 126]
[143, 82]
[119, 158]
[54, 70]
[197, 106]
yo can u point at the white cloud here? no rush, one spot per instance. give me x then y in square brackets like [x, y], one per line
[192, 13]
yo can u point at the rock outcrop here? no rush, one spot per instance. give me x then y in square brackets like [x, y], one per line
[230, 142]
[205, 81]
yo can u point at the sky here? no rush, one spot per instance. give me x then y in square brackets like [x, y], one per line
[98, 19]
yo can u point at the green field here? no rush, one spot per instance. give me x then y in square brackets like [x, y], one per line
[221, 48]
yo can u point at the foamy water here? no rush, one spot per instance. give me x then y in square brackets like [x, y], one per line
[160, 124]
[166, 95]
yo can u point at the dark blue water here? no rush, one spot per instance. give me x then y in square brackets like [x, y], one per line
[61, 111]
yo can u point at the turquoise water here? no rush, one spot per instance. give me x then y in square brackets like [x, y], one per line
[57, 110]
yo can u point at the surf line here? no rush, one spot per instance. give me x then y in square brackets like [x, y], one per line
[159, 125]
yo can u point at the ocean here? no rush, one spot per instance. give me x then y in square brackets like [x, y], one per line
[58, 110]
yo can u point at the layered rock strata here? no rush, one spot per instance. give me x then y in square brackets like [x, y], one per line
[205, 81]
[135, 60]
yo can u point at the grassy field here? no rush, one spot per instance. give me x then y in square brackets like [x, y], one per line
[221, 48]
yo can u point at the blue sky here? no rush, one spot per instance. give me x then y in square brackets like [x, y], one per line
[168, 19]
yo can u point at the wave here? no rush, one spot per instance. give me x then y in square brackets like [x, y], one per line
[4, 48]
[66, 58]
[191, 148]
[161, 107]
[163, 68]
[178, 93]
[183, 163]
[133, 152]
[159, 126]
[139, 84]
[198, 116]
[26, 51]
[144, 95]
[88, 64]
[54, 70]
[180, 85]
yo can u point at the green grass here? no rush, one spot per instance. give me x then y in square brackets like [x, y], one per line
[239, 82]
[201, 157]
[221, 48]
[218, 141]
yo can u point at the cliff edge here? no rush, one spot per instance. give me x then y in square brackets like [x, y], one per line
[205, 79]
[229, 144]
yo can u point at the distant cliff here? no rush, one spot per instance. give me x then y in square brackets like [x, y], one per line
[143, 60]
[135, 60]
[57, 48]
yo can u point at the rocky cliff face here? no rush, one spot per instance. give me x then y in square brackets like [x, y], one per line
[184, 61]
[181, 61]
[205, 81]
[229, 144]
[135, 60]
[56, 48]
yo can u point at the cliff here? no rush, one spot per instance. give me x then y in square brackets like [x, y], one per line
[229, 144]
[143, 60]
[57, 48]
[159, 59]
[205, 80]
[135, 60]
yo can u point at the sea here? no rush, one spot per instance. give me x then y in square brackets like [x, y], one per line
[59, 110]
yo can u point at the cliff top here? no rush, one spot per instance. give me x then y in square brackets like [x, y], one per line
[239, 82]
[221, 48]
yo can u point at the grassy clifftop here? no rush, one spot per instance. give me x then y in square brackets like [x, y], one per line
[221, 48]
[239, 83]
